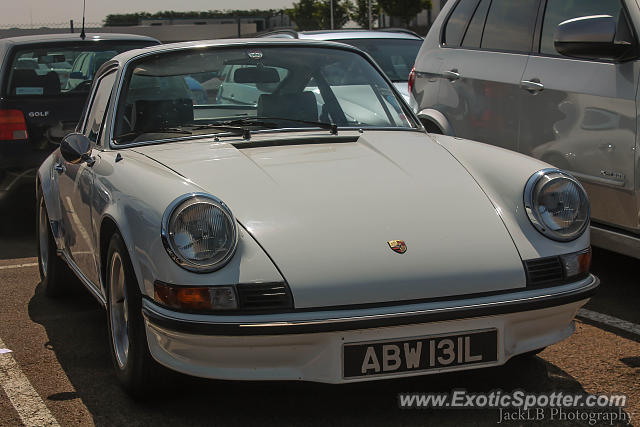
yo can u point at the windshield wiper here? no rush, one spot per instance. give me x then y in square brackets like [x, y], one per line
[234, 130]
[134, 134]
[270, 122]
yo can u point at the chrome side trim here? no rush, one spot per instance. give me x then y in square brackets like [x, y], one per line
[618, 241]
[309, 322]
[611, 182]
[93, 289]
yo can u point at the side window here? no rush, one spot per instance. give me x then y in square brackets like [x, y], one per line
[510, 25]
[473, 36]
[561, 10]
[98, 107]
[457, 23]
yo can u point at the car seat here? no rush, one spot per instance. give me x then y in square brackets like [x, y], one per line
[165, 113]
[298, 106]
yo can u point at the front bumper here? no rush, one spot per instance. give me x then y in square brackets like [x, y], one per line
[308, 345]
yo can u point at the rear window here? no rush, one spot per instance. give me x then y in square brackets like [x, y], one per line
[458, 21]
[395, 56]
[60, 69]
[509, 25]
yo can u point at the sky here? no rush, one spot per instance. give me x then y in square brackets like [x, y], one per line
[25, 12]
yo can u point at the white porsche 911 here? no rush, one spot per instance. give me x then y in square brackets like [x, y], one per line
[318, 233]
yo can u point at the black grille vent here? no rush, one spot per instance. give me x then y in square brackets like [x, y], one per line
[264, 296]
[544, 271]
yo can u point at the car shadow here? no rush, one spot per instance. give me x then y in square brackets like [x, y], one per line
[18, 224]
[76, 328]
[619, 293]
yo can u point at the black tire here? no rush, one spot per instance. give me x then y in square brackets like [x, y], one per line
[55, 276]
[138, 372]
[530, 354]
[431, 127]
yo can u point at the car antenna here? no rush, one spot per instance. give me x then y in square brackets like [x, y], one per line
[82, 33]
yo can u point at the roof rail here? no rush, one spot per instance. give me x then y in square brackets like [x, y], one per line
[400, 30]
[282, 33]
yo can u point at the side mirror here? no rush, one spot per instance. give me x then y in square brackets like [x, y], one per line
[76, 148]
[591, 37]
[77, 75]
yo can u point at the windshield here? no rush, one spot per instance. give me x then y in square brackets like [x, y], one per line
[207, 91]
[395, 56]
[62, 68]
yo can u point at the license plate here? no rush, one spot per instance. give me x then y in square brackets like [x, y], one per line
[420, 354]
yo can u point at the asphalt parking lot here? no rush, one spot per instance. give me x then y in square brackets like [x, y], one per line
[61, 348]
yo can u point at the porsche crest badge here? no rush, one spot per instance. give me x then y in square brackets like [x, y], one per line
[398, 246]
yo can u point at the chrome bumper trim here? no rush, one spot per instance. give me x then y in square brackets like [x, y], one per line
[501, 304]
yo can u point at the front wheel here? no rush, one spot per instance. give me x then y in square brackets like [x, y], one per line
[135, 368]
[55, 275]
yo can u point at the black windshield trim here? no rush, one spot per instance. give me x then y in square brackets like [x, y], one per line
[210, 137]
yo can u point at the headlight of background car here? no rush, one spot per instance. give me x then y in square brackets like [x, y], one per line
[199, 232]
[557, 205]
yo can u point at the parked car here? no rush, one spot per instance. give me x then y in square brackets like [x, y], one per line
[556, 80]
[42, 95]
[274, 242]
[394, 50]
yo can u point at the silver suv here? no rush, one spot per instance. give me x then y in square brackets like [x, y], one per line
[554, 79]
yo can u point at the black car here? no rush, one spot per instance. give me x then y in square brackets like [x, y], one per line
[44, 83]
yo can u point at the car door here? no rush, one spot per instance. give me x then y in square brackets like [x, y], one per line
[76, 188]
[582, 117]
[485, 50]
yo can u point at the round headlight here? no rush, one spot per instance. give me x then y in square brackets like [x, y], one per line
[199, 232]
[557, 205]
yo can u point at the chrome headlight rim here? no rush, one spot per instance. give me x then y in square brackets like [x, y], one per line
[168, 244]
[532, 213]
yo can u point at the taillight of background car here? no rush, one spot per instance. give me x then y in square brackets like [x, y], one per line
[12, 125]
[412, 79]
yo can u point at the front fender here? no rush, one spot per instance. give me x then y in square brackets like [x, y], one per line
[134, 195]
[47, 184]
[502, 175]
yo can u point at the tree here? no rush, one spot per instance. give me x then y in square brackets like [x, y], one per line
[360, 12]
[304, 14]
[341, 13]
[125, 19]
[316, 14]
[406, 10]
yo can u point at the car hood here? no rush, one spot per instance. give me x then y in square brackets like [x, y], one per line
[325, 211]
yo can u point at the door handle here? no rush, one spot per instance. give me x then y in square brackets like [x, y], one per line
[532, 86]
[59, 167]
[452, 75]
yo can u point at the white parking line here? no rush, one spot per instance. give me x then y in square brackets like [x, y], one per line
[8, 267]
[23, 397]
[610, 321]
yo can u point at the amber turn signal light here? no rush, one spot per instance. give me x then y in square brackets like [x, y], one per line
[577, 264]
[195, 298]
